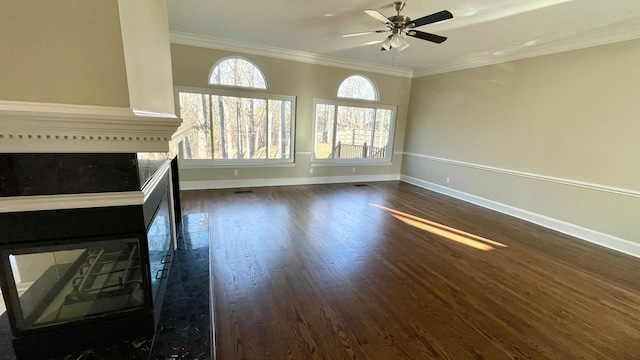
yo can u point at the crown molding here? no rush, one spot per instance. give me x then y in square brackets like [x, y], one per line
[210, 42]
[563, 45]
[30, 127]
[476, 60]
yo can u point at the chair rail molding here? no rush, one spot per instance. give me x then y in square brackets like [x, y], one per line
[581, 184]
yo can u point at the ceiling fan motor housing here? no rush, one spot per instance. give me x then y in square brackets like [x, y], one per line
[400, 21]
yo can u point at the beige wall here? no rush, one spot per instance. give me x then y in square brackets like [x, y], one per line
[62, 52]
[191, 67]
[571, 116]
[145, 37]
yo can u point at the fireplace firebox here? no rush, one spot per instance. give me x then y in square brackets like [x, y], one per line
[86, 266]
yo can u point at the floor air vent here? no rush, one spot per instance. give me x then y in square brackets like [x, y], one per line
[244, 191]
[361, 185]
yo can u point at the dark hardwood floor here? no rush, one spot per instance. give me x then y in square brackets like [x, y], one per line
[392, 271]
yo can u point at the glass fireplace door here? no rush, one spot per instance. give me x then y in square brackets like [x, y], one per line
[160, 240]
[69, 282]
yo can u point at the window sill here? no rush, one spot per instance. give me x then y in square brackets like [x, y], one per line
[208, 164]
[324, 163]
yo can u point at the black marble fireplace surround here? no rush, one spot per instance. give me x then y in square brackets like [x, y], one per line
[50, 174]
[136, 232]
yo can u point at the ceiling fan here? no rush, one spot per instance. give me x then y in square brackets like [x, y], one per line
[400, 25]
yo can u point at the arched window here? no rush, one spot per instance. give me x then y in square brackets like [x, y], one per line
[237, 72]
[358, 87]
[246, 125]
[350, 131]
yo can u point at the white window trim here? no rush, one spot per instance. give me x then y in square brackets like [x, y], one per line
[346, 162]
[351, 163]
[223, 163]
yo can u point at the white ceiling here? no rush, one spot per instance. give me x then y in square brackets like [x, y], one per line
[481, 32]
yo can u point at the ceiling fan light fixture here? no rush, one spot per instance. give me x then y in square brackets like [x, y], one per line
[406, 45]
[386, 44]
[397, 40]
[404, 42]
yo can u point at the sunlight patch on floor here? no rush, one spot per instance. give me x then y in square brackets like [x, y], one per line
[453, 234]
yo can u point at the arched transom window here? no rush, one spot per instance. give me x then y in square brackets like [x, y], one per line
[237, 72]
[358, 87]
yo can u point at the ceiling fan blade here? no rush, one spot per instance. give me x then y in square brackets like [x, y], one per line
[430, 19]
[378, 16]
[365, 33]
[426, 36]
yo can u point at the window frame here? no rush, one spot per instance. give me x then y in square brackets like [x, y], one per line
[249, 88]
[222, 90]
[367, 104]
[376, 93]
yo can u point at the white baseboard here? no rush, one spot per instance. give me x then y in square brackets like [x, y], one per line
[608, 241]
[242, 183]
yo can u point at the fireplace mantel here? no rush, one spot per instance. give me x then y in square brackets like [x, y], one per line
[30, 127]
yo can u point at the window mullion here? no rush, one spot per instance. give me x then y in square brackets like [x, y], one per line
[373, 132]
[268, 132]
[335, 131]
[213, 149]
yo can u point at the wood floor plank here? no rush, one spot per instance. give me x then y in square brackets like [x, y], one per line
[392, 271]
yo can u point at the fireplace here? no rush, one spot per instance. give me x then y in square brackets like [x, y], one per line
[51, 285]
[87, 248]
[84, 171]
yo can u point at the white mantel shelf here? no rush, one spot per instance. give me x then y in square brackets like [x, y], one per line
[28, 127]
